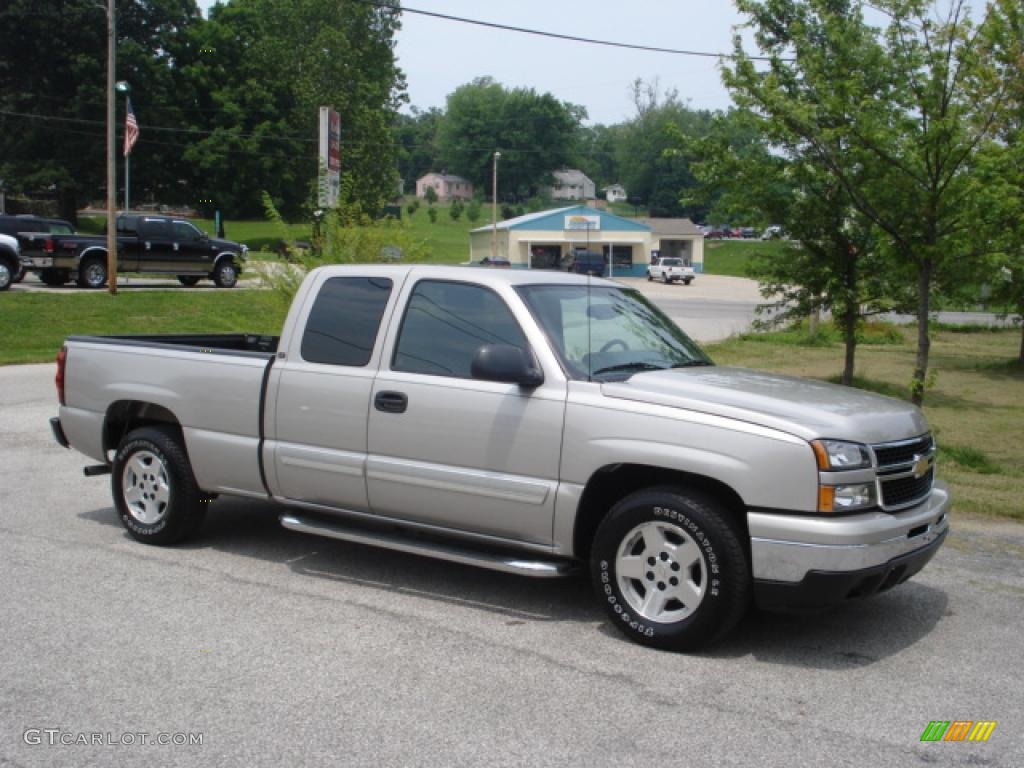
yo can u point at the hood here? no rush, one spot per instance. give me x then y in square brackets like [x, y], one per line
[803, 407]
[226, 245]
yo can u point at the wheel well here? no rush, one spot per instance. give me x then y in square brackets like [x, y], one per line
[222, 256]
[611, 483]
[126, 415]
[92, 253]
[11, 257]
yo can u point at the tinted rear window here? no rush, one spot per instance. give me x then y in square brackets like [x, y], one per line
[344, 321]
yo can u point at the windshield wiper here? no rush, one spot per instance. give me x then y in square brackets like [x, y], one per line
[691, 364]
[636, 365]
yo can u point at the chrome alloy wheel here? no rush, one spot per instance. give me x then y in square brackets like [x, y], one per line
[95, 274]
[6, 278]
[146, 488]
[661, 572]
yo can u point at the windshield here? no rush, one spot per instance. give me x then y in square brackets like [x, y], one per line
[605, 333]
[671, 263]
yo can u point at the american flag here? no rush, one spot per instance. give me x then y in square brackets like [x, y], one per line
[131, 130]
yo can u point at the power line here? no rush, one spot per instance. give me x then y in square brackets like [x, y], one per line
[384, 5]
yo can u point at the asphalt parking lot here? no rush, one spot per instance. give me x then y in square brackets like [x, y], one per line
[283, 649]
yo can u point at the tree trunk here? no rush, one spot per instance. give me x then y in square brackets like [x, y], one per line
[924, 342]
[850, 337]
[814, 319]
[67, 202]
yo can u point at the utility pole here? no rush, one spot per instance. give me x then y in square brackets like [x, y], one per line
[494, 207]
[111, 157]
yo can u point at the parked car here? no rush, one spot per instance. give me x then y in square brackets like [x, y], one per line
[524, 421]
[717, 232]
[589, 263]
[748, 233]
[670, 270]
[12, 265]
[146, 243]
[773, 232]
[495, 261]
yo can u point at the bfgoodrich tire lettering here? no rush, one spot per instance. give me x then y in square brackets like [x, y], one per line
[155, 492]
[669, 569]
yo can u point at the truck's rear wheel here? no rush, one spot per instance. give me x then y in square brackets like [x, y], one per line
[669, 569]
[225, 274]
[92, 273]
[154, 490]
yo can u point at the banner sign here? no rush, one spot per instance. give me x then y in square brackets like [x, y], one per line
[583, 222]
[329, 180]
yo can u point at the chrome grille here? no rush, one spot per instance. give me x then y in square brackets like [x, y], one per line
[896, 463]
[902, 452]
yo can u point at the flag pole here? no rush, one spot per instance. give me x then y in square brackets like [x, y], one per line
[111, 158]
[127, 180]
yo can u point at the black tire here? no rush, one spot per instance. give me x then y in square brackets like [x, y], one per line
[92, 273]
[188, 280]
[700, 527]
[7, 273]
[225, 274]
[649, 278]
[20, 275]
[688, 281]
[54, 277]
[173, 500]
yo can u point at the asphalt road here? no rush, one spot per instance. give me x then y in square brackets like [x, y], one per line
[284, 649]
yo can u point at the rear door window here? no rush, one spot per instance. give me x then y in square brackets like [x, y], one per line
[343, 324]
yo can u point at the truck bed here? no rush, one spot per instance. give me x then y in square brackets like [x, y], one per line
[248, 344]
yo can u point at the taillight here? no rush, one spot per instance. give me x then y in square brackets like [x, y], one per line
[62, 359]
[48, 245]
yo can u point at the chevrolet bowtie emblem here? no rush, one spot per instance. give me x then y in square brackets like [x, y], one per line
[921, 466]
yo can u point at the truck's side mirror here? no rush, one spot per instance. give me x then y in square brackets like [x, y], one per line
[504, 362]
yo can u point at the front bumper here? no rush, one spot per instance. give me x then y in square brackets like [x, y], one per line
[802, 560]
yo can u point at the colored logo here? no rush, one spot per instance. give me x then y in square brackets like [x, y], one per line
[958, 730]
[921, 466]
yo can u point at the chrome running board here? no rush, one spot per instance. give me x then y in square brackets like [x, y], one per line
[507, 563]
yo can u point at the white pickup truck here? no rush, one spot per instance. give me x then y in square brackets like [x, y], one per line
[524, 421]
[670, 270]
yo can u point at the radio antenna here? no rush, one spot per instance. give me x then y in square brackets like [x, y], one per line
[590, 341]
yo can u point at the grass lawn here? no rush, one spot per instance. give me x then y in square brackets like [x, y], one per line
[33, 325]
[730, 257]
[975, 406]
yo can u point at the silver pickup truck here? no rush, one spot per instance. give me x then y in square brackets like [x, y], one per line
[524, 421]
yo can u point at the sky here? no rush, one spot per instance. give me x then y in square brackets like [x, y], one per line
[437, 56]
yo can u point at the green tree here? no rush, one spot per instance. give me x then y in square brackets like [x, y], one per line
[275, 62]
[455, 209]
[999, 197]
[412, 206]
[650, 174]
[836, 266]
[53, 89]
[432, 215]
[473, 210]
[535, 134]
[430, 195]
[416, 135]
[895, 100]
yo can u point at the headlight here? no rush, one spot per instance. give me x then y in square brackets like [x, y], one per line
[836, 455]
[846, 498]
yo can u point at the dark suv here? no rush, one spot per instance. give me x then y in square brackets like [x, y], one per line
[589, 263]
[12, 270]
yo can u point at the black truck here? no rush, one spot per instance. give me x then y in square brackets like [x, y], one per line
[146, 243]
[12, 268]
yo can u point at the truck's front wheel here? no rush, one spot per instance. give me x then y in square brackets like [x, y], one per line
[155, 492]
[225, 274]
[92, 273]
[669, 569]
